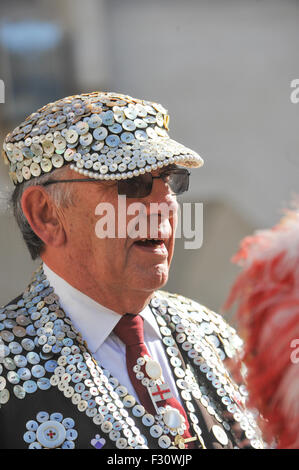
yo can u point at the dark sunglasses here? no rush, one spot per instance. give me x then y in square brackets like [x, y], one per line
[141, 186]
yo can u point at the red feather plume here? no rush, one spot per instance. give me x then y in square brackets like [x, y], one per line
[266, 293]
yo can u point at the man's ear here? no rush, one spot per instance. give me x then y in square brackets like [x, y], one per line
[43, 216]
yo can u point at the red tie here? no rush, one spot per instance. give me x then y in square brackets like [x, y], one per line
[130, 330]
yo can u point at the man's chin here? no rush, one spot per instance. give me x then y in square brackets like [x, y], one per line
[151, 281]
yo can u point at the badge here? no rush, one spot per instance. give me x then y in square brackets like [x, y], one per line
[98, 442]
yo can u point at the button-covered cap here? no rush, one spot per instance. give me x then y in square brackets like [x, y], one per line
[101, 135]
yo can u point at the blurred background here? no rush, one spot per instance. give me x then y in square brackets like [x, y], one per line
[222, 68]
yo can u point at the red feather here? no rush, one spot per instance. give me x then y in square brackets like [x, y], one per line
[266, 293]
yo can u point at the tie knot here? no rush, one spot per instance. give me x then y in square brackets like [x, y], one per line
[130, 329]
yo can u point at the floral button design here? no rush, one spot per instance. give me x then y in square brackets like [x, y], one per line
[50, 432]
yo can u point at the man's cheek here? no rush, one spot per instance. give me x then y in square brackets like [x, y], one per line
[104, 222]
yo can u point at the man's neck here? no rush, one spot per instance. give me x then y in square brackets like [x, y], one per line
[115, 298]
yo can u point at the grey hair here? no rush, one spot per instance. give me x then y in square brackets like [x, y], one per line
[61, 194]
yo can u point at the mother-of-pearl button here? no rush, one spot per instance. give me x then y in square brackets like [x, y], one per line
[153, 369]
[220, 435]
[172, 418]
[51, 434]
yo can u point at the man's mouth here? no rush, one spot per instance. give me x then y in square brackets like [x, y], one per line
[152, 245]
[150, 242]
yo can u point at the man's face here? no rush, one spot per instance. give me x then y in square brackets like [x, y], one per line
[121, 263]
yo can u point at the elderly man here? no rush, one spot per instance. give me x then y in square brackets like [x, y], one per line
[93, 354]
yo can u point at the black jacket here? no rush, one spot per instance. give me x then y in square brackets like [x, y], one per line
[44, 358]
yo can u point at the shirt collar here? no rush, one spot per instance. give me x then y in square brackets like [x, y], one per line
[86, 313]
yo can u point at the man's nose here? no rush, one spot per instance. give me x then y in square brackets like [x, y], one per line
[161, 203]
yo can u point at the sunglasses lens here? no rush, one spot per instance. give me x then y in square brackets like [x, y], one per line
[137, 187]
[178, 181]
[141, 186]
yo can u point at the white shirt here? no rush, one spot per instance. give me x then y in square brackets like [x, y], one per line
[96, 322]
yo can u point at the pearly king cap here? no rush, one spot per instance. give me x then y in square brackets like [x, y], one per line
[107, 136]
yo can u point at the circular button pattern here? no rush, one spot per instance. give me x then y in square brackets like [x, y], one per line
[51, 434]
